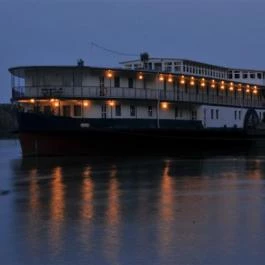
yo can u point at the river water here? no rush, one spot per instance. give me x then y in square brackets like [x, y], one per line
[131, 210]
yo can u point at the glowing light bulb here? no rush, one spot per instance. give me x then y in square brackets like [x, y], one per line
[164, 105]
[192, 81]
[111, 103]
[109, 74]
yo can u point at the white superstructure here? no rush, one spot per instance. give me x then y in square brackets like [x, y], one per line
[182, 66]
[160, 89]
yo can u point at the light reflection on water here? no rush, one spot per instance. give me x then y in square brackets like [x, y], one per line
[142, 210]
[87, 210]
[57, 210]
[111, 245]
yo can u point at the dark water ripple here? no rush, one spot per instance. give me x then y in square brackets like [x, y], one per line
[131, 210]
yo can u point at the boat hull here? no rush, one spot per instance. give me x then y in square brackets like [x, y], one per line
[52, 135]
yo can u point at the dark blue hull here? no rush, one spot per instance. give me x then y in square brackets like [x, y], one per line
[53, 135]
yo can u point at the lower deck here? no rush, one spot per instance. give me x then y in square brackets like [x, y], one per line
[149, 114]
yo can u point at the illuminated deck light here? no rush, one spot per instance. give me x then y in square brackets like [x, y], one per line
[213, 84]
[170, 79]
[203, 82]
[222, 85]
[192, 82]
[85, 104]
[164, 105]
[111, 103]
[109, 74]
[182, 80]
[231, 87]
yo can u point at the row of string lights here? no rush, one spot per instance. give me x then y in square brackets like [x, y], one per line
[202, 82]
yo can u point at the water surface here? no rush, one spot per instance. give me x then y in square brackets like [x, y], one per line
[131, 210]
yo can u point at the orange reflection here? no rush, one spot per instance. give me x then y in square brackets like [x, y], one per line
[113, 219]
[34, 213]
[113, 211]
[166, 209]
[57, 208]
[255, 173]
[87, 196]
[87, 208]
[34, 192]
[166, 199]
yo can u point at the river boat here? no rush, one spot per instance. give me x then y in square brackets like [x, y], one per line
[143, 106]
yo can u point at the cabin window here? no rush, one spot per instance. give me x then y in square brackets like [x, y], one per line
[116, 81]
[66, 111]
[235, 114]
[239, 114]
[132, 111]
[259, 75]
[150, 111]
[130, 82]
[77, 110]
[212, 114]
[236, 76]
[245, 75]
[252, 75]
[176, 112]
[158, 67]
[118, 110]
[217, 114]
[194, 115]
[103, 111]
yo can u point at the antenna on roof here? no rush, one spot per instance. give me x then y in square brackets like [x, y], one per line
[93, 44]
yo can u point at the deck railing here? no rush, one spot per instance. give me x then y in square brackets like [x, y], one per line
[178, 95]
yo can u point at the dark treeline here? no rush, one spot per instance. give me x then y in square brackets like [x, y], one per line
[8, 122]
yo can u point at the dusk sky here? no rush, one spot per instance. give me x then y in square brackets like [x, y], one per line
[227, 33]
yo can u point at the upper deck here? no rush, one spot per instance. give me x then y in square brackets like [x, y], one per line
[189, 67]
[83, 82]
